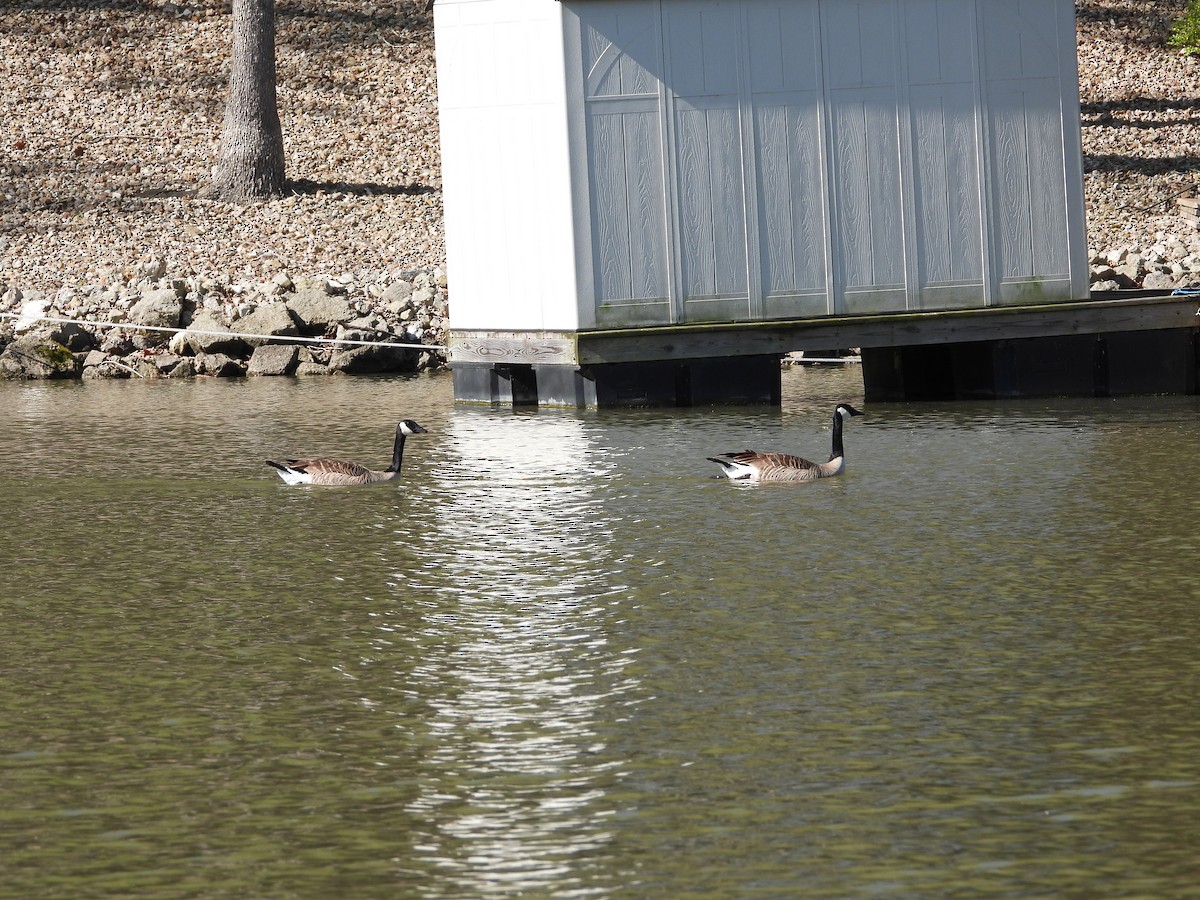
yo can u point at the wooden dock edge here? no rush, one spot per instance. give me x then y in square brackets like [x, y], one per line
[1093, 316]
[1106, 345]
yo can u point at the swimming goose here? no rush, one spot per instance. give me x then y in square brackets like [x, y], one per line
[751, 466]
[322, 470]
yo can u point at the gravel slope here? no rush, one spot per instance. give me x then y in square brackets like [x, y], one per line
[114, 111]
[116, 122]
[1140, 105]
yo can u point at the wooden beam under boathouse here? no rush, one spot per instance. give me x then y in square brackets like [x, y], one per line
[1119, 343]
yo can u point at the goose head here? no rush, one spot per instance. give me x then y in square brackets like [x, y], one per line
[845, 409]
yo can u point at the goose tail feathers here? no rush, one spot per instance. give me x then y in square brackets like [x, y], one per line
[731, 469]
[288, 474]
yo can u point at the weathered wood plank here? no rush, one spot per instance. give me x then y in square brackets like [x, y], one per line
[514, 348]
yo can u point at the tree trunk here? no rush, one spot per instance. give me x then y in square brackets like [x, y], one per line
[251, 162]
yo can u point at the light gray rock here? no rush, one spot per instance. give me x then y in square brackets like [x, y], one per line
[422, 298]
[107, 367]
[158, 308]
[1127, 274]
[314, 308]
[267, 318]
[1159, 281]
[161, 307]
[274, 359]
[219, 365]
[208, 334]
[166, 363]
[396, 294]
[142, 366]
[185, 369]
[152, 268]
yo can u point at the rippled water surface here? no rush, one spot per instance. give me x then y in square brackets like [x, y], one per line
[560, 658]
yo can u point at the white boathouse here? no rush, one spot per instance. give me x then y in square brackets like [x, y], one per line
[648, 171]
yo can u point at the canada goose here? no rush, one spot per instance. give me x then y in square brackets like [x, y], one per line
[322, 470]
[751, 466]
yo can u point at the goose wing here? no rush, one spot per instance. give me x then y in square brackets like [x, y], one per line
[764, 461]
[324, 465]
[750, 465]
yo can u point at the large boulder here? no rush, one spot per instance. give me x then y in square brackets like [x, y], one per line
[219, 365]
[382, 357]
[158, 308]
[267, 318]
[36, 356]
[315, 308]
[208, 334]
[274, 359]
[1160, 281]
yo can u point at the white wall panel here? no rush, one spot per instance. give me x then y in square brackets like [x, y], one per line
[505, 164]
[625, 181]
[869, 236]
[946, 185]
[789, 139]
[792, 196]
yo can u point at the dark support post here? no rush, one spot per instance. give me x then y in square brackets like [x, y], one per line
[503, 385]
[564, 386]
[1151, 362]
[1123, 363]
[684, 382]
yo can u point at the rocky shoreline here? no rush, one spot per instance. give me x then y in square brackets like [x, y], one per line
[152, 326]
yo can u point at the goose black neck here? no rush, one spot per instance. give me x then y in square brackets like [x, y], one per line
[837, 450]
[397, 452]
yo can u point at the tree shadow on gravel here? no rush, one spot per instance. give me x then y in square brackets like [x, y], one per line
[1103, 111]
[1133, 24]
[1141, 165]
[304, 186]
[1141, 115]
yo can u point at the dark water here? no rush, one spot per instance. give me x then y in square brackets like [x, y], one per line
[561, 659]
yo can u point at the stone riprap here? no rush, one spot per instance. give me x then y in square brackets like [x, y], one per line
[157, 327]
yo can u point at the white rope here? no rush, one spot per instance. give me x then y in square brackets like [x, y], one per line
[26, 320]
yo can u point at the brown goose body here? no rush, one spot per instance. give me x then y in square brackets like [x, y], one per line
[324, 470]
[750, 465]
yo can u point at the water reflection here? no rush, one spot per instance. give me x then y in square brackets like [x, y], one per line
[516, 591]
